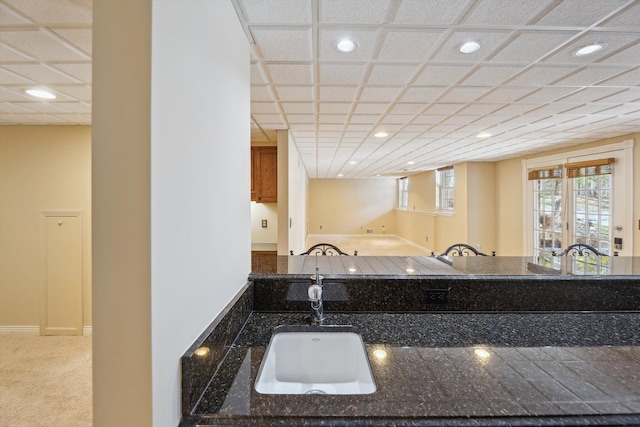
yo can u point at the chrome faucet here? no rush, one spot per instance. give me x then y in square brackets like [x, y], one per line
[315, 297]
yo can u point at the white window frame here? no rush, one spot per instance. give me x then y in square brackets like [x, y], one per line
[563, 158]
[440, 193]
[403, 192]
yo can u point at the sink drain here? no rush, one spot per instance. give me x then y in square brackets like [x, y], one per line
[316, 391]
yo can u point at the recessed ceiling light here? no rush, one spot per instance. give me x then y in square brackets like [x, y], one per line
[352, 162]
[346, 46]
[340, 175]
[411, 162]
[469, 47]
[483, 135]
[40, 93]
[380, 134]
[589, 49]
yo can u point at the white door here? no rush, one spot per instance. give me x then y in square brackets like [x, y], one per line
[61, 296]
[597, 207]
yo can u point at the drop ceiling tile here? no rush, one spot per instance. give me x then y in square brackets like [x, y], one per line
[341, 74]
[261, 94]
[630, 78]
[505, 12]
[334, 127]
[379, 94]
[428, 119]
[9, 54]
[303, 127]
[629, 56]
[10, 17]
[53, 11]
[542, 75]
[291, 73]
[277, 11]
[328, 38]
[612, 43]
[408, 108]
[530, 47]
[420, 11]
[442, 75]
[273, 119]
[396, 118]
[409, 46]
[284, 44]
[370, 108]
[463, 94]
[353, 11]
[506, 94]
[547, 94]
[81, 71]
[629, 18]
[79, 37]
[17, 108]
[296, 93]
[82, 93]
[422, 94]
[590, 94]
[332, 118]
[442, 108]
[589, 76]
[369, 119]
[337, 93]
[335, 107]
[298, 107]
[41, 44]
[627, 95]
[580, 13]
[480, 109]
[41, 73]
[8, 77]
[389, 75]
[491, 75]
[300, 118]
[489, 41]
[42, 107]
[264, 108]
[256, 75]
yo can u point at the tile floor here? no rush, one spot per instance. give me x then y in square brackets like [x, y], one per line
[376, 245]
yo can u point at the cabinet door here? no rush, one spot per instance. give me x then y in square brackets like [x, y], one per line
[255, 172]
[267, 185]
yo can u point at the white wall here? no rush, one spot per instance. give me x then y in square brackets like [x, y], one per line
[298, 200]
[259, 212]
[171, 205]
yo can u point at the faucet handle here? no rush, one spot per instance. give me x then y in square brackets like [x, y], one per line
[315, 293]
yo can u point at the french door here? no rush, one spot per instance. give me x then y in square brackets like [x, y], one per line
[582, 199]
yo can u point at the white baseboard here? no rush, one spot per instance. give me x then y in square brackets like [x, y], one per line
[87, 330]
[22, 330]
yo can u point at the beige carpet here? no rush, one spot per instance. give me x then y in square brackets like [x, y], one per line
[378, 245]
[45, 381]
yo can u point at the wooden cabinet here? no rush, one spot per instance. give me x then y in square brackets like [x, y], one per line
[264, 174]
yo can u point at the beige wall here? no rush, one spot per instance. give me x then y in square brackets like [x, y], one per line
[171, 245]
[509, 196]
[264, 211]
[481, 205]
[42, 168]
[351, 206]
[509, 214]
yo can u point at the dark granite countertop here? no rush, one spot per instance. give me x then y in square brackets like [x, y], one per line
[411, 266]
[550, 368]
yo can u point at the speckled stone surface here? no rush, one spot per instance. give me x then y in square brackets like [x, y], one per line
[207, 352]
[563, 337]
[552, 365]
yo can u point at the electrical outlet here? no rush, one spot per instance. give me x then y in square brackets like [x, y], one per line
[437, 296]
[426, 238]
[320, 227]
[264, 223]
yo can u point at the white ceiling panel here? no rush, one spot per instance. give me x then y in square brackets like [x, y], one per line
[420, 12]
[581, 13]
[284, 45]
[408, 46]
[52, 11]
[388, 75]
[42, 44]
[277, 11]
[353, 11]
[505, 12]
[289, 74]
[406, 76]
[366, 40]
[296, 93]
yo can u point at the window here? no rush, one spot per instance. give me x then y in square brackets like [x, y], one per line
[547, 207]
[445, 180]
[403, 192]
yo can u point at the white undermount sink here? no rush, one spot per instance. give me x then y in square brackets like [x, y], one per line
[315, 360]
